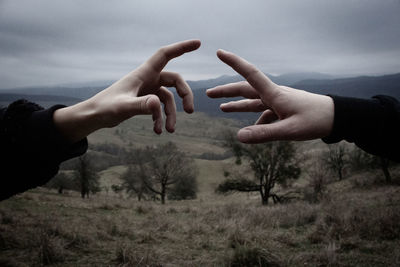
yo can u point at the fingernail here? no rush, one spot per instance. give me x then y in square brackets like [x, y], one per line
[171, 129]
[209, 91]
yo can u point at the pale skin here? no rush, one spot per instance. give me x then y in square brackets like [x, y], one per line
[288, 113]
[139, 92]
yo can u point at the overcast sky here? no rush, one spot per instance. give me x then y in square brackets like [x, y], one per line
[53, 42]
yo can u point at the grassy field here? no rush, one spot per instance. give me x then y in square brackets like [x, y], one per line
[354, 228]
[355, 224]
[195, 133]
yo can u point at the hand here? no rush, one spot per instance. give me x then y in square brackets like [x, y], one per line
[139, 92]
[288, 114]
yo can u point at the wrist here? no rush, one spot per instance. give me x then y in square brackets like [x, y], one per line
[77, 121]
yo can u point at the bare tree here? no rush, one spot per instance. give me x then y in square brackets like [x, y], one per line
[336, 159]
[86, 178]
[61, 182]
[186, 188]
[272, 163]
[161, 169]
[361, 160]
[134, 181]
[384, 162]
[318, 179]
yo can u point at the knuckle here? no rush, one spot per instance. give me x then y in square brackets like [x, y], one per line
[252, 71]
[260, 105]
[143, 106]
[178, 77]
[248, 105]
[169, 94]
[162, 50]
[266, 133]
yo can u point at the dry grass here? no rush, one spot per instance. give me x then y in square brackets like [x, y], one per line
[357, 228]
[355, 224]
[195, 133]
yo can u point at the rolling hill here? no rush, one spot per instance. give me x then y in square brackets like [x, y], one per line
[361, 87]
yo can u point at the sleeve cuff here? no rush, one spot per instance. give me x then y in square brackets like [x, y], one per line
[45, 133]
[354, 118]
[372, 124]
[32, 147]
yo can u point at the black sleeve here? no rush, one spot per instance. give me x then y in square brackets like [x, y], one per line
[31, 147]
[372, 124]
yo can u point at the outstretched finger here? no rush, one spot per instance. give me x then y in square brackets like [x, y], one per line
[251, 73]
[167, 98]
[245, 105]
[182, 88]
[233, 90]
[166, 53]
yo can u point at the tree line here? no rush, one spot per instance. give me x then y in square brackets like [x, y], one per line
[163, 172]
[279, 163]
[158, 172]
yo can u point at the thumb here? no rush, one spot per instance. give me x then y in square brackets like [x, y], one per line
[144, 104]
[280, 130]
[148, 104]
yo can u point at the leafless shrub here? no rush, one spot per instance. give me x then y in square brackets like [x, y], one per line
[187, 210]
[128, 256]
[336, 158]
[172, 211]
[245, 255]
[51, 249]
[140, 209]
[9, 240]
[147, 238]
[318, 180]
[340, 221]
[231, 210]
[328, 255]
[106, 206]
[237, 238]
[6, 218]
[114, 230]
[77, 240]
[367, 180]
[286, 216]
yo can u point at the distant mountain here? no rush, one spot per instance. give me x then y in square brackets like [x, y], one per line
[77, 92]
[43, 100]
[88, 89]
[292, 78]
[362, 87]
[103, 83]
[205, 84]
[284, 79]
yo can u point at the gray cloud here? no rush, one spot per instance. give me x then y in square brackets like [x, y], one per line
[50, 42]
